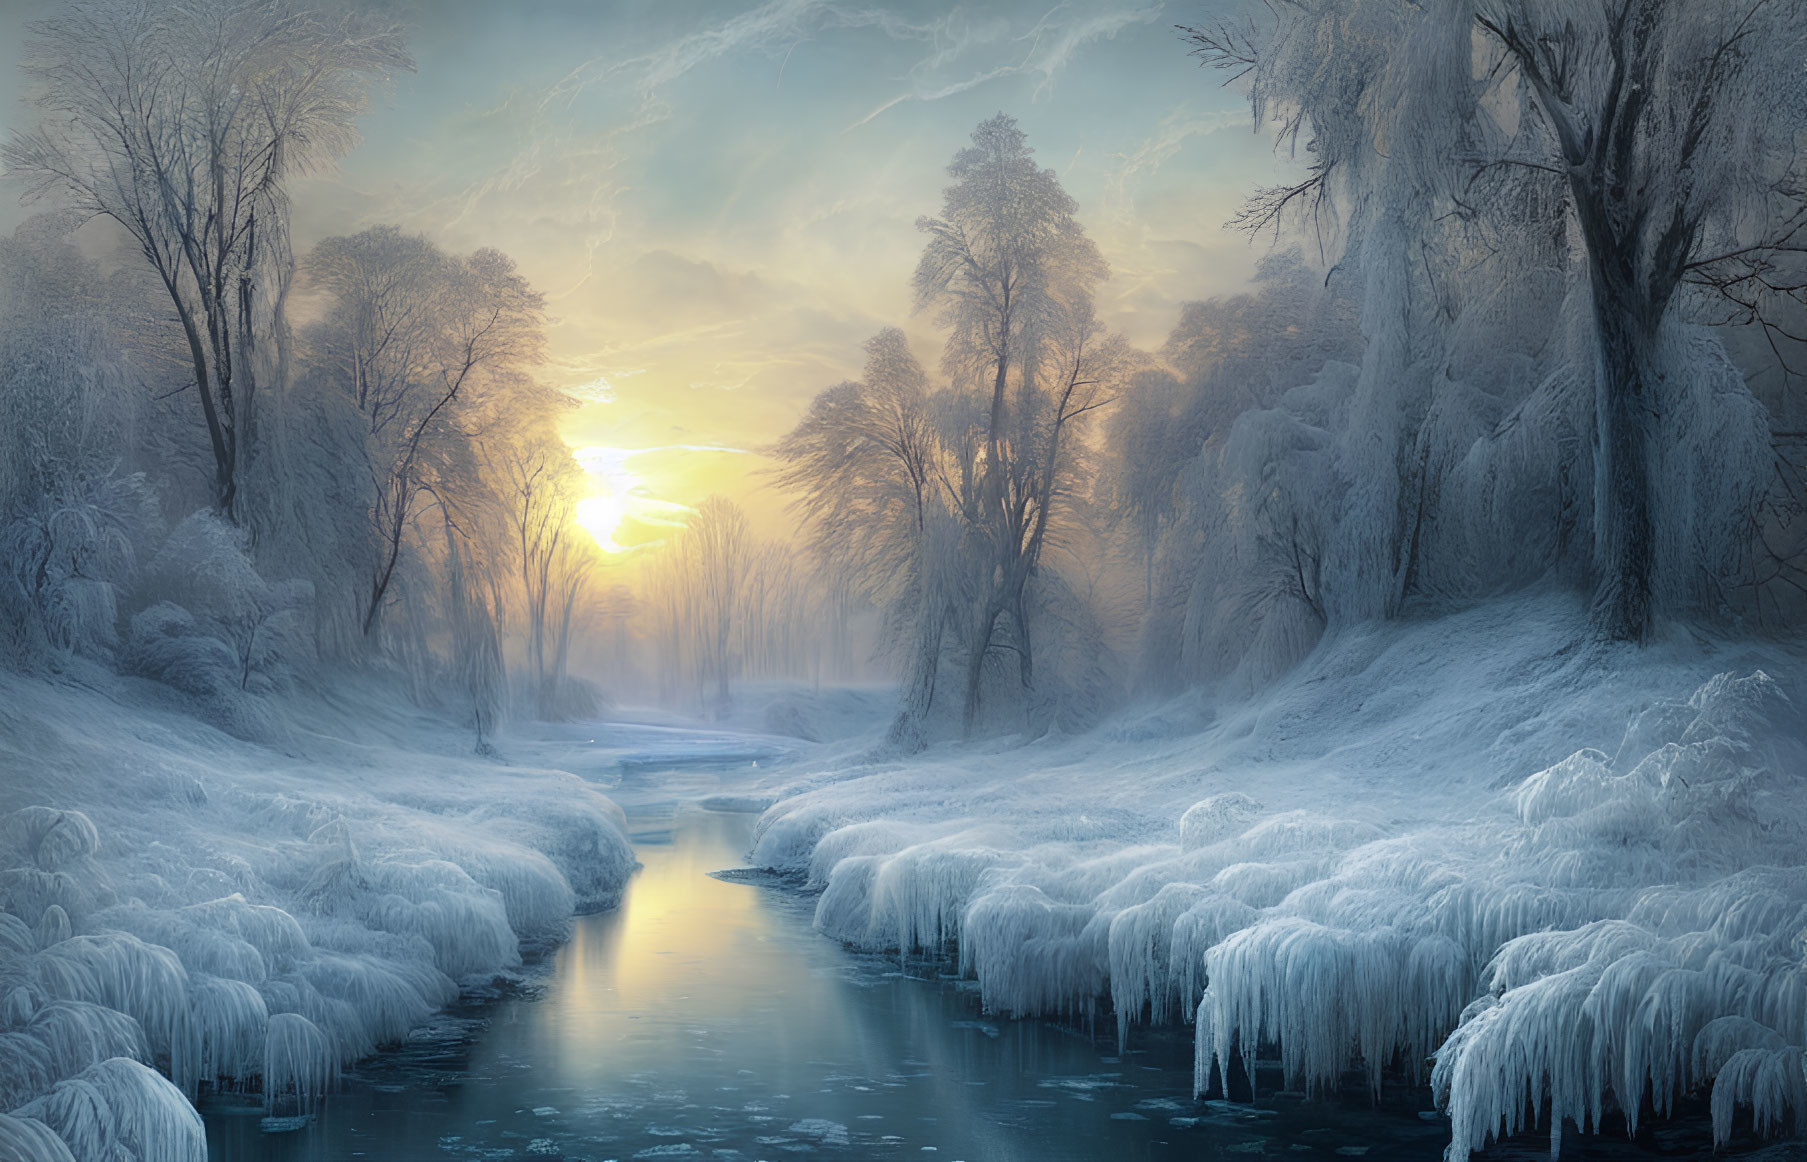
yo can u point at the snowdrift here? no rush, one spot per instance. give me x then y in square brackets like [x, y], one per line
[1551, 879]
[183, 911]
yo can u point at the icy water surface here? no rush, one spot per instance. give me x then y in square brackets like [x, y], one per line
[706, 1019]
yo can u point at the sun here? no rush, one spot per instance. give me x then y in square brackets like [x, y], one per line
[620, 502]
[601, 517]
[612, 493]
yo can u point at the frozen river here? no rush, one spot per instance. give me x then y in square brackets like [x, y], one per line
[705, 1018]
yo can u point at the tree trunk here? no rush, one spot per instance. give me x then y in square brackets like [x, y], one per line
[1624, 543]
[1019, 618]
[1629, 300]
[980, 643]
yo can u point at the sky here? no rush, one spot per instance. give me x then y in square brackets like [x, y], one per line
[719, 199]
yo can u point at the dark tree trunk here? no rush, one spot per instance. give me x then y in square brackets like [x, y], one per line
[1628, 311]
[909, 731]
[980, 643]
[1625, 553]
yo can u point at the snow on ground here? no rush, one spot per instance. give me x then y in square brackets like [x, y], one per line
[250, 915]
[1569, 873]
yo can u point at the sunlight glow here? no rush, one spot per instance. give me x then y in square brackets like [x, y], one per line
[620, 497]
[601, 516]
[612, 493]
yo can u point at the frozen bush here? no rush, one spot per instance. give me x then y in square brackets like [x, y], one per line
[122, 1111]
[1217, 818]
[25, 1140]
[241, 632]
[300, 1065]
[48, 837]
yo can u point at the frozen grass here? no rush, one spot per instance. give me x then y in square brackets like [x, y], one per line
[1570, 875]
[182, 910]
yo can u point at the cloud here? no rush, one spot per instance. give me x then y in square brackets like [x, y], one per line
[775, 29]
[719, 199]
[1041, 52]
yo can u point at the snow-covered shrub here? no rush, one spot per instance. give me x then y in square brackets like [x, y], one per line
[1217, 818]
[50, 838]
[300, 1065]
[214, 628]
[205, 568]
[166, 643]
[121, 1111]
[70, 513]
[582, 835]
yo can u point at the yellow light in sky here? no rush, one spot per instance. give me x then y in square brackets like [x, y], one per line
[602, 513]
[601, 517]
[619, 497]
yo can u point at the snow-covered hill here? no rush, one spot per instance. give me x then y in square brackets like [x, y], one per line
[253, 915]
[1569, 873]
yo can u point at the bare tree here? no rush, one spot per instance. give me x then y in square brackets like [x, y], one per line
[719, 548]
[413, 336]
[182, 123]
[543, 487]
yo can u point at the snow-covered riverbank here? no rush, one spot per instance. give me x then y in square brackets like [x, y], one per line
[253, 915]
[1568, 872]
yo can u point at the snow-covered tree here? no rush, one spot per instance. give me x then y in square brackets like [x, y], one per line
[1661, 137]
[865, 467]
[1010, 272]
[183, 123]
[413, 335]
[73, 511]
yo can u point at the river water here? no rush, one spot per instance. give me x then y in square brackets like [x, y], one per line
[705, 1018]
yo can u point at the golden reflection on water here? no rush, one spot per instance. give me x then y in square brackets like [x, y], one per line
[706, 1018]
[643, 988]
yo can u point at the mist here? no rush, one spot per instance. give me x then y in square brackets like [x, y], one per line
[1272, 529]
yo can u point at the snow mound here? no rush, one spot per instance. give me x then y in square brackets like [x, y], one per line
[1606, 932]
[228, 918]
[120, 1110]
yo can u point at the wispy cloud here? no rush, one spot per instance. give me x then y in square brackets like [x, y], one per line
[718, 197]
[1041, 52]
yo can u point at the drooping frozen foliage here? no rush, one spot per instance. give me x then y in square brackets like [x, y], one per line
[25, 1140]
[120, 1110]
[1597, 937]
[150, 927]
[299, 1064]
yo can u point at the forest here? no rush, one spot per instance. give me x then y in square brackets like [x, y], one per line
[1502, 447]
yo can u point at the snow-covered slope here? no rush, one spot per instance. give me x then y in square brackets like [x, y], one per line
[254, 916]
[1566, 871]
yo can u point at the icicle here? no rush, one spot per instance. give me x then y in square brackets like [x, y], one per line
[300, 1064]
[121, 1111]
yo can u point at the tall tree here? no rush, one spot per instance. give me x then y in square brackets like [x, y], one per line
[555, 560]
[719, 559]
[183, 123]
[1009, 270]
[414, 336]
[864, 465]
[1665, 134]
